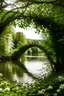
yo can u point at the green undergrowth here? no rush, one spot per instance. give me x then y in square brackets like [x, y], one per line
[8, 88]
[53, 85]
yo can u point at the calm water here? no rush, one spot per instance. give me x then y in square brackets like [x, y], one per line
[26, 70]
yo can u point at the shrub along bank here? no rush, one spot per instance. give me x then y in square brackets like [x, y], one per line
[52, 85]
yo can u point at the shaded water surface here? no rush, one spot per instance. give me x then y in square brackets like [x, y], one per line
[24, 71]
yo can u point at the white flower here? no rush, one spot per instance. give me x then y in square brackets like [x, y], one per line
[43, 90]
[55, 94]
[17, 88]
[0, 89]
[2, 84]
[7, 89]
[58, 90]
[40, 92]
[61, 86]
[1, 75]
[60, 78]
[6, 83]
[50, 87]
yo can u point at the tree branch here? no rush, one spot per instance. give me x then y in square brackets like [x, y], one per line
[54, 2]
[16, 15]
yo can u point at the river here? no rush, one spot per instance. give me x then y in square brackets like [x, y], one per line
[24, 71]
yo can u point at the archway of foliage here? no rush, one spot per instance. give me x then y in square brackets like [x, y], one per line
[46, 16]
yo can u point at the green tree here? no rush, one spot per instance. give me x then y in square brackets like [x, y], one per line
[6, 41]
[46, 16]
[20, 40]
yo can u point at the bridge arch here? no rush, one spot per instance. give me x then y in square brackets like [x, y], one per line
[24, 48]
[16, 55]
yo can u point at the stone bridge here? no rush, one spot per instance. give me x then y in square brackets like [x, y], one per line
[24, 48]
[16, 55]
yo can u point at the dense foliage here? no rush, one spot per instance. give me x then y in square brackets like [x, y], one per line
[50, 86]
[47, 16]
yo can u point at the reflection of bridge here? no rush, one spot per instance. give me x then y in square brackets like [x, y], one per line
[22, 50]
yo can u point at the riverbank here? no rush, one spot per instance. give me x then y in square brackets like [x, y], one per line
[53, 85]
[8, 88]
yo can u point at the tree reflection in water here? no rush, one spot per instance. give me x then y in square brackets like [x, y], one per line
[20, 72]
[12, 70]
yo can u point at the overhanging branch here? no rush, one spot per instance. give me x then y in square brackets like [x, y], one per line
[54, 2]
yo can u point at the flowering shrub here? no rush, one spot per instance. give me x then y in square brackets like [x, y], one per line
[40, 92]
[55, 94]
[0, 89]
[61, 87]
[1, 75]
[7, 89]
[60, 78]
[50, 88]
[58, 90]
[12, 89]
[54, 88]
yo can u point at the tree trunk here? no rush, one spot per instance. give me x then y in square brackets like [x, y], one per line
[59, 67]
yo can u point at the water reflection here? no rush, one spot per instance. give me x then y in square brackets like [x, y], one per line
[25, 72]
[9, 69]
